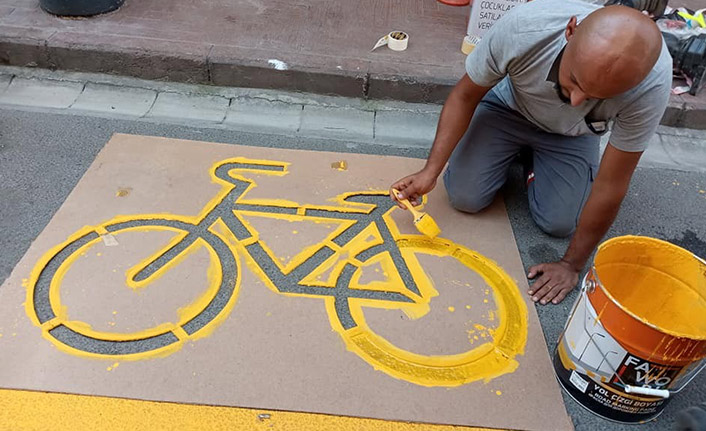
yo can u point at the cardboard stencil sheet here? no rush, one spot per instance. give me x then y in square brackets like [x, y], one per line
[218, 274]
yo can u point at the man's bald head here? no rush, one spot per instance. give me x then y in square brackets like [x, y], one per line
[611, 51]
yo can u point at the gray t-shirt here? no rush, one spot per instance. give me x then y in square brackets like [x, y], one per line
[519, 55]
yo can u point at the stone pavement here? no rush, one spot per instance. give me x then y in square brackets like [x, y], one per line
[316, 46]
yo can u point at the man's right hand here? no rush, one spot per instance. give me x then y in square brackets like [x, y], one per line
[414, 187]
[453, 123]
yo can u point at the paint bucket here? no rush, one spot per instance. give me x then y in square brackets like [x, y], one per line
[637, 332]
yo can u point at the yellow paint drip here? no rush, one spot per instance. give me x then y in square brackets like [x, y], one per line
[341, 165]
[452, 309]
[122, 192]
[657, 282]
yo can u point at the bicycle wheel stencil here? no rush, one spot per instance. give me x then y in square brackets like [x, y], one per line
[208, 273]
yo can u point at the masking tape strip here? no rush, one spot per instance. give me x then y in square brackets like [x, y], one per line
[109, 240]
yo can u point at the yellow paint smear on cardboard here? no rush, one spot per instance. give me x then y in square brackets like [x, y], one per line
[66, 412]
[657, 282]
[484, 362]
[325, 275]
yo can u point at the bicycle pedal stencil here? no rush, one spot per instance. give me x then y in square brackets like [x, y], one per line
[239, 269]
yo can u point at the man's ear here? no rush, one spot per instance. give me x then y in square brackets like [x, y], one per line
[570, 28]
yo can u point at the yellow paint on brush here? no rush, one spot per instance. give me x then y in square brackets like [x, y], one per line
[656, 282]
[422, 221]
[66, 412]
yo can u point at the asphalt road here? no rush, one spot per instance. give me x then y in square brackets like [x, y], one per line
[42, 157]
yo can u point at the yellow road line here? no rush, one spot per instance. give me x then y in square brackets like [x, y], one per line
[29, 410]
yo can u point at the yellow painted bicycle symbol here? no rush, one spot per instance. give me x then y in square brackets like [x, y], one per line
[366, 234]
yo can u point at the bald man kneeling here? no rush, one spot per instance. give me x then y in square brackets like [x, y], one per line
[550, 77]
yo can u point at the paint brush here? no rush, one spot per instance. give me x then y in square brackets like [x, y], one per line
[422, 221]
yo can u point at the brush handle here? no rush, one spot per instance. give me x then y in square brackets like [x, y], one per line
[409, 206]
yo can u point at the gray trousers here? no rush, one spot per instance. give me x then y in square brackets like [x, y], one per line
[564, 166]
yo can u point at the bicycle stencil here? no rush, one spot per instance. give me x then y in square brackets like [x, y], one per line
[330, 270]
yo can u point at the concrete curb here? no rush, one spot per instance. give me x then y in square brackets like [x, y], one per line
[197, 63]
[393, 124]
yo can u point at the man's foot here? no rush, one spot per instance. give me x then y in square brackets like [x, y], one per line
[526, 159]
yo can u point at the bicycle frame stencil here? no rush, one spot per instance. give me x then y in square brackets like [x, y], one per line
[366, 234]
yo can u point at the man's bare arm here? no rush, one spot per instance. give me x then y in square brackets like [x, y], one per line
[609, 188]
[453, 123]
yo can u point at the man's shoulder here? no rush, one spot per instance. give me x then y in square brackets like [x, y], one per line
[548, 16]
[655, 85]
[662, 71]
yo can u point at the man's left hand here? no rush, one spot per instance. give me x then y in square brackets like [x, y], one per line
[555, 281]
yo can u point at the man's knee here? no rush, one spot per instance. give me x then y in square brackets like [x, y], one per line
[557, 225]
[463, 195]
[468, 201]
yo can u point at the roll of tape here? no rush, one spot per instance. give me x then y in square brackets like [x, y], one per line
[395, 40]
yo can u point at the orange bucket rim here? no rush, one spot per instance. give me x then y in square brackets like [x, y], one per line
[600, 284]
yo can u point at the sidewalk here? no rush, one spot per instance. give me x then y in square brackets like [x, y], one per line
[356, 122]
[315, 46]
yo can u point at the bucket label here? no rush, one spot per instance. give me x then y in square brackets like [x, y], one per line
[640, 372]
[621, 406]
[594, 368]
